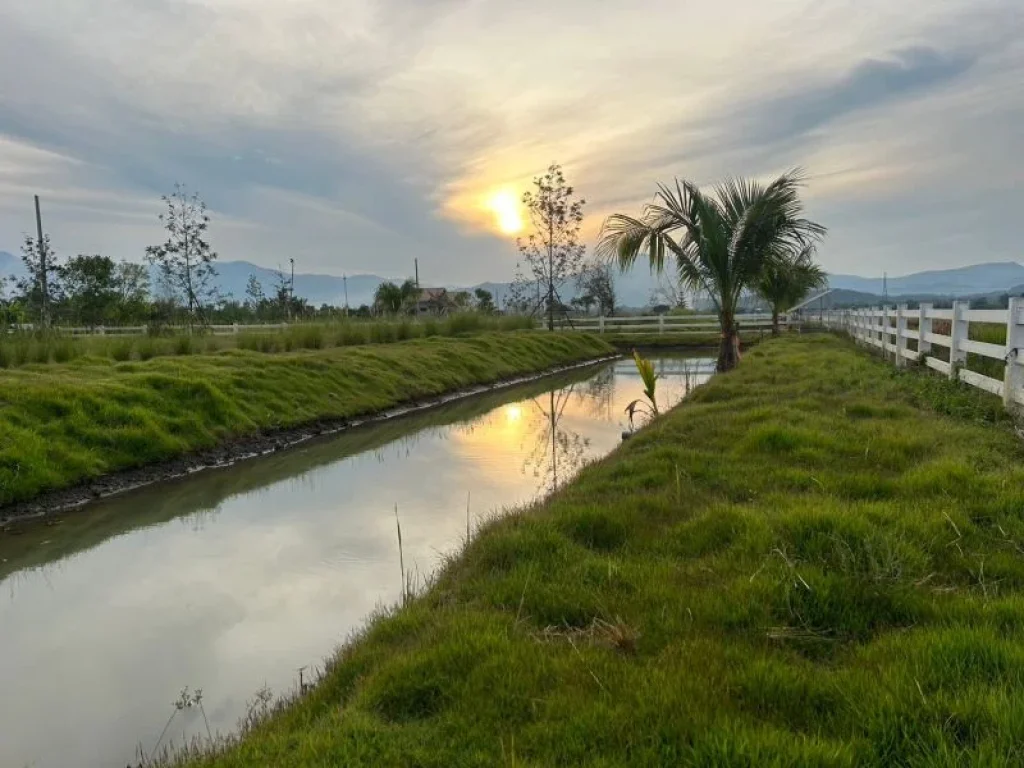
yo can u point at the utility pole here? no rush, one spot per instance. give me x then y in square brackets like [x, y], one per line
[344, 280]
[416, 264]
[291, 289]
[43, 287]
[885, 285]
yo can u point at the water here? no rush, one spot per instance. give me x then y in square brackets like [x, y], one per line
[233, 580]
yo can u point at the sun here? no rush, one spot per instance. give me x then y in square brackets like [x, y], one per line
[505, 208]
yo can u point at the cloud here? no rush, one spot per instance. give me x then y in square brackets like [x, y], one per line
[362, 134]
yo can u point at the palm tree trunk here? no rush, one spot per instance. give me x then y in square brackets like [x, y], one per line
[775, 322]
[728, 350]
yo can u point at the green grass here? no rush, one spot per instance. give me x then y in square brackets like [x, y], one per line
[61, 424]
[816, 560]
[20, 349]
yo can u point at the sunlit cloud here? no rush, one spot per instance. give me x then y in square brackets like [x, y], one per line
[398, 128]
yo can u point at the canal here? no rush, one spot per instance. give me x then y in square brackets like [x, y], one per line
[233, 580]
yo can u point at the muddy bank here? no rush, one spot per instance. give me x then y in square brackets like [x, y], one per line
[239, 449]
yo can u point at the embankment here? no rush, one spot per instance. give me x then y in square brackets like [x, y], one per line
[814, 560]
[92, 427]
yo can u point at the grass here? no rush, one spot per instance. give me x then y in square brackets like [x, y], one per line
[21, 349]
[816, 560]
[62, 424]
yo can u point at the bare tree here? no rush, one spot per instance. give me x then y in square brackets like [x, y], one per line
[669, 291]
[553, 252]
[185, 260]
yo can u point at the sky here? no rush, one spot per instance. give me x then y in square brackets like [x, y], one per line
[357, 135]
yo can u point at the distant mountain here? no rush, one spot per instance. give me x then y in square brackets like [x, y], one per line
[10, 264]
[633, 289]
[961, 282]
[233, 277]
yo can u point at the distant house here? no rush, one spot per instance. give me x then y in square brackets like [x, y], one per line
[433, 301]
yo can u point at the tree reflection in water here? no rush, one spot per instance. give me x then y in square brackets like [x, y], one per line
[558, 450]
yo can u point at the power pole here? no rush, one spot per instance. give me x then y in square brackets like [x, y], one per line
[291, 289]
[885, 285]
[416, 264]
[43, 287]
[344, 280]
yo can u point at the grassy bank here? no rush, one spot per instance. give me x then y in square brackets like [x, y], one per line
[20, 349]
[815, 560]
[61, 424]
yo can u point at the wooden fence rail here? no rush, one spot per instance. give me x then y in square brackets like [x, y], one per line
[892, 330]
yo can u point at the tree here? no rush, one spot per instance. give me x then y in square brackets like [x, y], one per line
[410, 292]
[40, 288]
[484, 301]
[720, 241]
[132, 284]
[669, 292]
[785, 281]
[553, 253]
[91, 286]
[597, 282]
[388, 298]
[254, 297]
[462, 300]
[185, 260]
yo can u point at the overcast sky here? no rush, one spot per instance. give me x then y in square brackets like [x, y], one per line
[355, 135]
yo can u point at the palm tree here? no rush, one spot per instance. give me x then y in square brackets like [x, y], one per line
[720, 241]
[784, 282]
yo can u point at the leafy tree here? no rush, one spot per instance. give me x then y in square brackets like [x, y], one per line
[185, 260]
[388, 298]
[484, 301]
[720, 241]
[41, 287]
[254, 297]
[785, 281]
[132, 284]
[553, 252]
[462, 299]
[597, 282]
[584, 302]
[410, 291]
[92, 290]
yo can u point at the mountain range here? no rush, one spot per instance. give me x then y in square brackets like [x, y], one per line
[634, 289]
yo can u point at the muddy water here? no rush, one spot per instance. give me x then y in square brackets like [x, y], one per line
[234, 579]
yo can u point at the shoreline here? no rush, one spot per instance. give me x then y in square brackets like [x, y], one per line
[242, 448]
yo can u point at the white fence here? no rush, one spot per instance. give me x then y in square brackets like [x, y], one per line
[657, 325]
[890, 329]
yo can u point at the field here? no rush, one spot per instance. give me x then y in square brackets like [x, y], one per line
[816, 560]
[26, 348]
[61, 424]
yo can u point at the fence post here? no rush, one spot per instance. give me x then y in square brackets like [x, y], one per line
[924, 326]
[1013, 379]
[234, 327]
[600, 324]
[901, 339]
[661, 325]
[883, 332]
[957, 333]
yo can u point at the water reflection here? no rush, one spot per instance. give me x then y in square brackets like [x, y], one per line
[233, 579]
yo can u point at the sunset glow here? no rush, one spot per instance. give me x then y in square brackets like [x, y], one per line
[505, 208]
